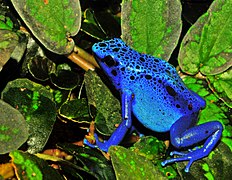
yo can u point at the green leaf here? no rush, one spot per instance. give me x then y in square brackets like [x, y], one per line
[30, 167]
[214, 110]
[91, 160]
[13, 128]
[100, 97]
[64, 77]
[149, 147]
[128, 164]
[52, 22]
[207, 46]
[152, 27]
[90, 27]
[215, 166]
[154, 150]
[76, 110]
[5, 23]
[8, 42]
[40, 67]
[35, 102]
[221, 85]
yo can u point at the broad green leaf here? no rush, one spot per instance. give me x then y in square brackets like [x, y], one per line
[52, 22]
[129, 165]
[221, 85]
[30, 167]
[149, 147]
[76, 110]
[100, 97]
[35, 102]
[8, 42]
[91, 160]
[154, 150]
[152, 27]
[13, 128]
[207, 46]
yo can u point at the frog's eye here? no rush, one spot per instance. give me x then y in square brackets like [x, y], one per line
[109, 61]
[171, 91]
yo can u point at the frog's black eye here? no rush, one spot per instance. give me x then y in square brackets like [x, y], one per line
[170, 91]
[109, 61]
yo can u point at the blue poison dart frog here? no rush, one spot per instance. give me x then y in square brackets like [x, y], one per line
[152, 90]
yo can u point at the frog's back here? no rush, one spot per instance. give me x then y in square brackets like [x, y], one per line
[152, 106]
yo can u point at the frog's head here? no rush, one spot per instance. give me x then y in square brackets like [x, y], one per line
[109, 55]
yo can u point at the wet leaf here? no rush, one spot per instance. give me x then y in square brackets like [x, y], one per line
[207, 45]
[149, 147]
[40, 67]
[89, 25]
[64, 77]
[29, 166]
[8, 42]
[154, 150]
[108, 24]
[13, 128]
[221, 85]
[52, 22]
[214, 110]
[152, 27]
[92, 159]
[76, 110]
[100, 97]
[128, 164]
[72, 171]
[215, 166]
[5, 23]
[35, 102]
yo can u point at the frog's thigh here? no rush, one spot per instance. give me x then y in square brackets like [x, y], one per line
[183, 134]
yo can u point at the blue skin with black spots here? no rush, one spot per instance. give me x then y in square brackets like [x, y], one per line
[152, 90]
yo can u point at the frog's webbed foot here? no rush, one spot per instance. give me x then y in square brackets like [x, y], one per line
[211, 131]
[190, 156]
[98, 144]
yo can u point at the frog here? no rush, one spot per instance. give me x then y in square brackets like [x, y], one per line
[152, 91]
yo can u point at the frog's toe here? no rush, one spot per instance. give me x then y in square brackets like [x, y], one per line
[177, 153]
[191, 156]
[183, 158]
[98, 144]
[86, 142]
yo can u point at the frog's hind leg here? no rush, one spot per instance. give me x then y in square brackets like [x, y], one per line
[211, 131]
[122, 129]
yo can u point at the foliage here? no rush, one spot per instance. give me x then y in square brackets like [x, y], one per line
[45, 96]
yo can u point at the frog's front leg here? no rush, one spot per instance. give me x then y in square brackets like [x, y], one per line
[120, 132]
[183, 135]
